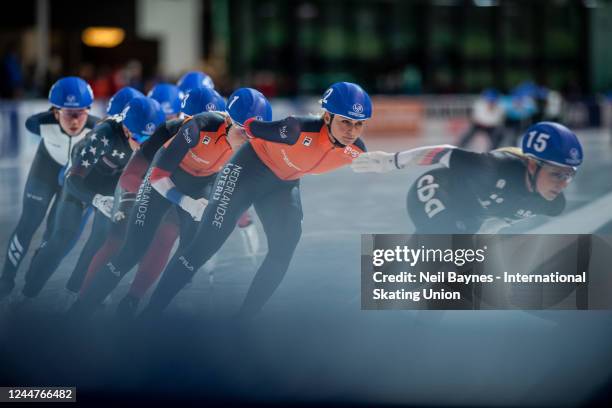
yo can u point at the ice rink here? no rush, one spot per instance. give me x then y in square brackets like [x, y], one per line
[303, 345]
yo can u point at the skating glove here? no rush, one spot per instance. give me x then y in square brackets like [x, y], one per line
[377, 162]
[104, 204]
[194, 207]
[126, 203]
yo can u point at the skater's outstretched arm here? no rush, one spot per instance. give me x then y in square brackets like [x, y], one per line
[382, 162]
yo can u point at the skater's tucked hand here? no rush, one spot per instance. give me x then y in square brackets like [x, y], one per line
[104, 204]
[118, 216]
[194, 207]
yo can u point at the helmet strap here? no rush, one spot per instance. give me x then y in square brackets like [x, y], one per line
[126, 132]
[334, 141]
[533, 178]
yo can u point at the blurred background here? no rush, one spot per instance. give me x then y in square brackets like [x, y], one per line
[288, 48]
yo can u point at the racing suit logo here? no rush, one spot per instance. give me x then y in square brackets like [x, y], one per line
[426, 189]
[283, 132]
[186, 263]
[352, 152]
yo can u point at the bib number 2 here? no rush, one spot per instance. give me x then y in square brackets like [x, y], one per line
[327, 95]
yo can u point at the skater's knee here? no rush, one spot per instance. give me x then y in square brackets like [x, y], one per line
[294, 234]
[285, 241]
[30, 221]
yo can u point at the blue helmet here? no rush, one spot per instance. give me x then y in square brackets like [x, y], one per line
[202, 100]
[71, 93]
[552, 143]
[118, 101]
[348, 100]
[169, 97]
[194, 79]
[246, 103]
[142, 116]
[490, 94]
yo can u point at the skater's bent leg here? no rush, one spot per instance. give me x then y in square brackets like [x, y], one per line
[281, 216]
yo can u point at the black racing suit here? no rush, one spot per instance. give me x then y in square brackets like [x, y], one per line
[151, 207]
[124, 201]
[42, 185]
[475, 187]
[95, 171]
[459, 198]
